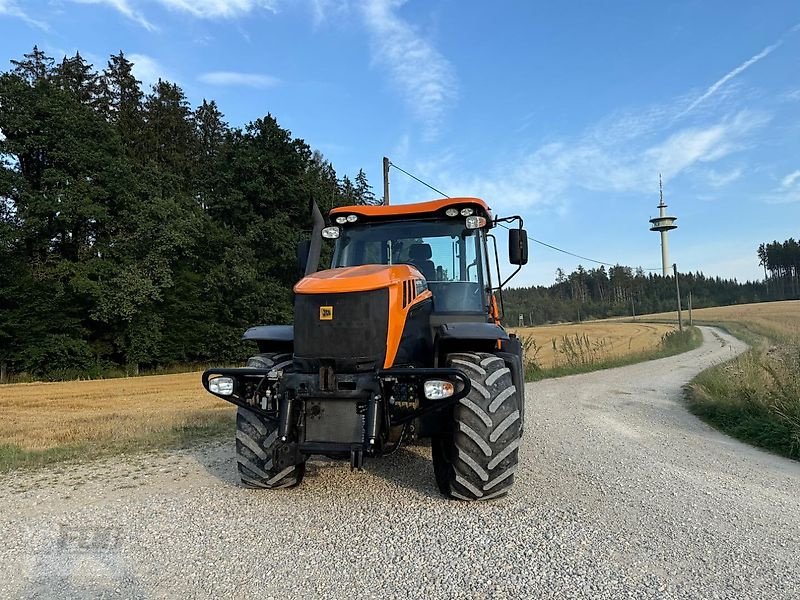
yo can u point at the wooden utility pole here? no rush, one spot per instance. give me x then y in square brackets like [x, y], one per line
[678, 290]
[633, 307]
[386, 164]
[690, 309]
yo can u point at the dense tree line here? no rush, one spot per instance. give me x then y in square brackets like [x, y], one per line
[781, 262]
[136, 230]
[618, 291]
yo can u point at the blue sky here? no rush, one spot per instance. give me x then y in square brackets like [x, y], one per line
[564, 113]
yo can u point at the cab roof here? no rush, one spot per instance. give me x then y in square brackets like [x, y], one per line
[422, 209]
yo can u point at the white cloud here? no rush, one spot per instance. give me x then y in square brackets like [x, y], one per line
[125, 8]
[788, 191]
[147, 69]
[321, 10]
[790, 179]
[10, 8]
[210, 9]
[229, 78]
[719, 179]
[423, 76]
[612, 158]
[205, 9]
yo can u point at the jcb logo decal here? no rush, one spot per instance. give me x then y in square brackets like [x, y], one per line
[326, 313]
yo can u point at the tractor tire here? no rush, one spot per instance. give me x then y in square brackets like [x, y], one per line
[257, 438]
[476, 459]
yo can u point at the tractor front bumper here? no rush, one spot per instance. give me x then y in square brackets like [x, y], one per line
[339, 413]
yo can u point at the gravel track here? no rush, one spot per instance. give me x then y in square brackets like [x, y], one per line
[620, 493]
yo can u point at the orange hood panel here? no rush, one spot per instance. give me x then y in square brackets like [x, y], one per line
[356, 279]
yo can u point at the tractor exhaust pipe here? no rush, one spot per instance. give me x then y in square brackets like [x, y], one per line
[316, 239]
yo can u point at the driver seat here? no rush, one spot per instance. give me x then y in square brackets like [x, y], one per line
[420, 256]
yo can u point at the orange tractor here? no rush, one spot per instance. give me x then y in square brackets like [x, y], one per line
[399, 340]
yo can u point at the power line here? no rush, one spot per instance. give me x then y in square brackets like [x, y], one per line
[428, 185]
[557, 249]
[545, 244]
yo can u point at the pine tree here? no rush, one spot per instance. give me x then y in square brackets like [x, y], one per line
[36, 66]
[121, 103]
[210, 131]
[77, 77]
[363, 190]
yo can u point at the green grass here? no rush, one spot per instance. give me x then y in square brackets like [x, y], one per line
[756, 396]
[13, 457]
[582, 357]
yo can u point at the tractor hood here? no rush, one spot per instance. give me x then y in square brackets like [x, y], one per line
[356, 279]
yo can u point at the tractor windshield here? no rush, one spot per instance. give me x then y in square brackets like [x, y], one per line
[449, 256]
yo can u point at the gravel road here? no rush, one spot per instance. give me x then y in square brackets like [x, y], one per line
[620, 494]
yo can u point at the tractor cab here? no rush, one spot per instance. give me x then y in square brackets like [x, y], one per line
[445, 240]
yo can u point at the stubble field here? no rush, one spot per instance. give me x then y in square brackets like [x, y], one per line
[79, 418]
[40, 422]
[773, 319]
[553, 346]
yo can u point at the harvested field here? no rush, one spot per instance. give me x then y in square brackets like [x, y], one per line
[70, 418]
[558, 345]
[781, 319]
[40, 416]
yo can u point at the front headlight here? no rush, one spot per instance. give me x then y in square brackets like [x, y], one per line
[436, 389]
[221, 385]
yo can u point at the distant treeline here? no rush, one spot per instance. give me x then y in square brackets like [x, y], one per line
[618, 291]
[138, 231]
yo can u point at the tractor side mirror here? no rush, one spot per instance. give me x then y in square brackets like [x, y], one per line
[518, 247]
[303, 250]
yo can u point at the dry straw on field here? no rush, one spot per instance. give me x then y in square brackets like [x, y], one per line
[38, 416]
[775, 319]
[585, 343]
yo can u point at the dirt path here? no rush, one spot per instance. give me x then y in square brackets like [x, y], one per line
[620, 493]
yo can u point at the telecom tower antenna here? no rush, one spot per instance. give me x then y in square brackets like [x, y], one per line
[662, 223]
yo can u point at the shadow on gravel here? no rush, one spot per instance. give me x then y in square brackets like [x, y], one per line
[408, 468]
[218, 460]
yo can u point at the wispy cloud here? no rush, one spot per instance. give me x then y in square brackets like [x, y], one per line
[613, 158]
[126, 9]
[422, 75]
[147, 69]
[790, 179]
[719, 179]
[322, 10]
[714, 87]
[230, 78]
[787, 191]
[205, 9]
[10, 8]
[210, 9]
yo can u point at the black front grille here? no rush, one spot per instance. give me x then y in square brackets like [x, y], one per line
[342, 326]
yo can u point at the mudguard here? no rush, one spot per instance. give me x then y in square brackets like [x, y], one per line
[271, 338]
[475, 336]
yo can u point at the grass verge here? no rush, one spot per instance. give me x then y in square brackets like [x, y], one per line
[756, 396]
[12, 456]
[580, 355]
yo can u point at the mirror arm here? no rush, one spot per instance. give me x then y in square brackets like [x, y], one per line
[499, 288]
[510, 277]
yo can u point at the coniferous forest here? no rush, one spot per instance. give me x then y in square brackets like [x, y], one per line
[623, 291]
[137, 231]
